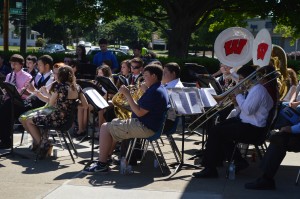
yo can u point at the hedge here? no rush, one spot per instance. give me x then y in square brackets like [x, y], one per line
[211, 64]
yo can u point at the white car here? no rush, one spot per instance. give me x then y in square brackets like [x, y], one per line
[124, 48]
[88, 44]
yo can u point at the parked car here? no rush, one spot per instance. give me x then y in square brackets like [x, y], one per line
[53, 48]
[88, 44]
[124, 48]
[116, 52]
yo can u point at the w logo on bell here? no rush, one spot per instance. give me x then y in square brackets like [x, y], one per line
[234, 46]
[262, 48]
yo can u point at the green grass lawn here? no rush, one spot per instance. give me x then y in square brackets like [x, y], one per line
[17, 48]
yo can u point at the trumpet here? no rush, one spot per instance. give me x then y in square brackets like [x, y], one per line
[224, 100]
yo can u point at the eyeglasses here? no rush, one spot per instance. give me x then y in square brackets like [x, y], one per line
[135, 67]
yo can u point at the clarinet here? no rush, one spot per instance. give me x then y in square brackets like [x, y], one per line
[23, 91]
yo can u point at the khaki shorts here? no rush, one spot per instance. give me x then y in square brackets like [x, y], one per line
[126, 129]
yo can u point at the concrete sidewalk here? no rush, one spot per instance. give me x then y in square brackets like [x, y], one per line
[60, 178]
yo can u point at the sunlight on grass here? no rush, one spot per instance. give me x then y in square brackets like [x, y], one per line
[17, 48]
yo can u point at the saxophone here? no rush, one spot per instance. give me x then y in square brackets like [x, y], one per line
[121, 106]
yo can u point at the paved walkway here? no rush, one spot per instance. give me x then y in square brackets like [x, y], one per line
[60, 178]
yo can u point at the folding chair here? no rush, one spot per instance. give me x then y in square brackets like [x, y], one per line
[169, 133]
[63, 130]
[150, 140]
[297, 178]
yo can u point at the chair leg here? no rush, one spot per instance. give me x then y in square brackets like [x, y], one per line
[59, 137]
[130, 149]
[22, 137]
[162, 141]
[67, 145]
[145, 149]
[72, 143]
[174, 147]
[297, 179]
[154, 151]
[258, 152]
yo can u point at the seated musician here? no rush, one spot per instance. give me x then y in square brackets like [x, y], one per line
[82, 114]
[123, 77]
[65, 93]
[136, 76]
[146, 118]
[287, 139]
[44, 78]
[31, 65]
[248, 127]
[171, 74]
[225, 80]
[20, 79]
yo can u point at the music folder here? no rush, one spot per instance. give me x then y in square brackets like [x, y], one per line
[186, 101]
[107, 84]
[95, 98]
[12, 93]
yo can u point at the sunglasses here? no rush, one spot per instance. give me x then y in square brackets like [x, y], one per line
[135, 67]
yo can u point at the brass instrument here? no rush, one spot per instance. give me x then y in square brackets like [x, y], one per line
[224, 99]
[279, 61]
[122, 108]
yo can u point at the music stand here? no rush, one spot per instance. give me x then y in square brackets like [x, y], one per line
[107, 84]
[98, 103]
[84, 83]
[16, 100]
[205, 80]
[186, 102]
[87, 71]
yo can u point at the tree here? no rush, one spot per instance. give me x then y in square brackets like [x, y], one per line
[65, 16]
[127, 31]
[180, 18]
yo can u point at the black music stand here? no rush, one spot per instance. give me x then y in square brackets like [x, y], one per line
[205, 80]
[107, 84]
[186, 102]
[16, 100]
[84, 83]
[98, 103]
[87, 71]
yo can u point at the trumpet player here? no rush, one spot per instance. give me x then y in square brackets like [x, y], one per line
[147, 115]
[254, 106]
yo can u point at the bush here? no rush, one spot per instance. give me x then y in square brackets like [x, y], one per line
[40, 42]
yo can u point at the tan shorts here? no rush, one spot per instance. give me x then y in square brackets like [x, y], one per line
[126, 129]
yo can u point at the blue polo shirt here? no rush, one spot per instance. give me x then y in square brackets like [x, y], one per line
[100, 57]
[155, 100]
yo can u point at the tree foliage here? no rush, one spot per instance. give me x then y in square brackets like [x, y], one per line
[184, 17]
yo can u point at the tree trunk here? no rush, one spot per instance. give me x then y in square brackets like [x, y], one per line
[179, 38]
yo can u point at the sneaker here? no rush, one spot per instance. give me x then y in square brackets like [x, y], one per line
[95, 168]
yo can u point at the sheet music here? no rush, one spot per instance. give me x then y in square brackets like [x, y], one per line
[186, 101]
[207, 98]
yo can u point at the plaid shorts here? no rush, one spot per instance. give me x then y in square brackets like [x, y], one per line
[126, 129]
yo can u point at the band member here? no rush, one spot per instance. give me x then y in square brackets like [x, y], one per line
[31, 65]
[136, 71]
[123, 77]
[43, 79]
[288, 139]
[171, 79]
[4, 68]
[146, 118]
[225, 80]
[20, 79]
[254, 106]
